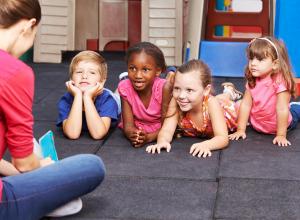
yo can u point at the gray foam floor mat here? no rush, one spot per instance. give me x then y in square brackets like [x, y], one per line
[251, 179]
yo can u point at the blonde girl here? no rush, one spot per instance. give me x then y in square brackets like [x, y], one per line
[196, 112]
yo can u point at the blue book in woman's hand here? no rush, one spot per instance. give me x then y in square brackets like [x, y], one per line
[47, 146]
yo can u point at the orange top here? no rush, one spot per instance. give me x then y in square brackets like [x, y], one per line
[205, 130]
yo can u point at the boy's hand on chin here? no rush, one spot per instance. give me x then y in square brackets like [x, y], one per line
[93, 91]
[74, 90]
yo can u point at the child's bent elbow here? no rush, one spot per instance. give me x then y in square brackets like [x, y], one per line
[225, 142]
[98, 136]
[72, 136]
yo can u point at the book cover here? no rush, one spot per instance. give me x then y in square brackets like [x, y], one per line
[47, 146]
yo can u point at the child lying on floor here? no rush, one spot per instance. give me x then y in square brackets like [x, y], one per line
[144, 95]
[87, 105]
[197, 112]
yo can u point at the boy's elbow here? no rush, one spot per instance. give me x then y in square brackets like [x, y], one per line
[73, 133]
[72, 136]
[98, 135]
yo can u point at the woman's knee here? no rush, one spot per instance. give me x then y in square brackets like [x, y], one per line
[87, 165]
[97, 166]
[94, 165]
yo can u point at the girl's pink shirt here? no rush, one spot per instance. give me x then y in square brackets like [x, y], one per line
[263, 115]
[149, 119]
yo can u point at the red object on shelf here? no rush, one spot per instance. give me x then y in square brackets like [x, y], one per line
[92, 44]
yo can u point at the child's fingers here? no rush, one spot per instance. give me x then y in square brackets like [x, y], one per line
[149, 148]
[196, 151]
[284, 143]
[236, 137]
[158, 149]
[206, 153]
[68, 84]
[168, 148]
[192, 148]
[200, 154]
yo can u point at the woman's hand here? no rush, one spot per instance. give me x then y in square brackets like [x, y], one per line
[200, 150]
[46, 161]
[157, 147]
[7, 168]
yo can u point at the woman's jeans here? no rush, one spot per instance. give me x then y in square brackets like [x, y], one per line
[30, 196]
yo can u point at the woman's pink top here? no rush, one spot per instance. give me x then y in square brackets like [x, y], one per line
[263, 115]
[149, 119]
[16, 98]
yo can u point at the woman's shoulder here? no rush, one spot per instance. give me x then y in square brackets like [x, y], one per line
[11, 67]
[12, 64]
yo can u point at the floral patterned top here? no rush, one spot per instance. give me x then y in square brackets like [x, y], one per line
[188, 128]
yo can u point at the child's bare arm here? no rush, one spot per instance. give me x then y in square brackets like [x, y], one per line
[220, 139]
[129, 128]
[167, 131]
[73, 124]
[243, 117]
[98, 126]
[282, 111]
[166, 98]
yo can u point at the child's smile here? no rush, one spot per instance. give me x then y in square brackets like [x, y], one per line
[188, 91]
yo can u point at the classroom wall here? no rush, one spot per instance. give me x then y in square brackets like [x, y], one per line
[56, 30]
[162, 25]
[86, 22]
